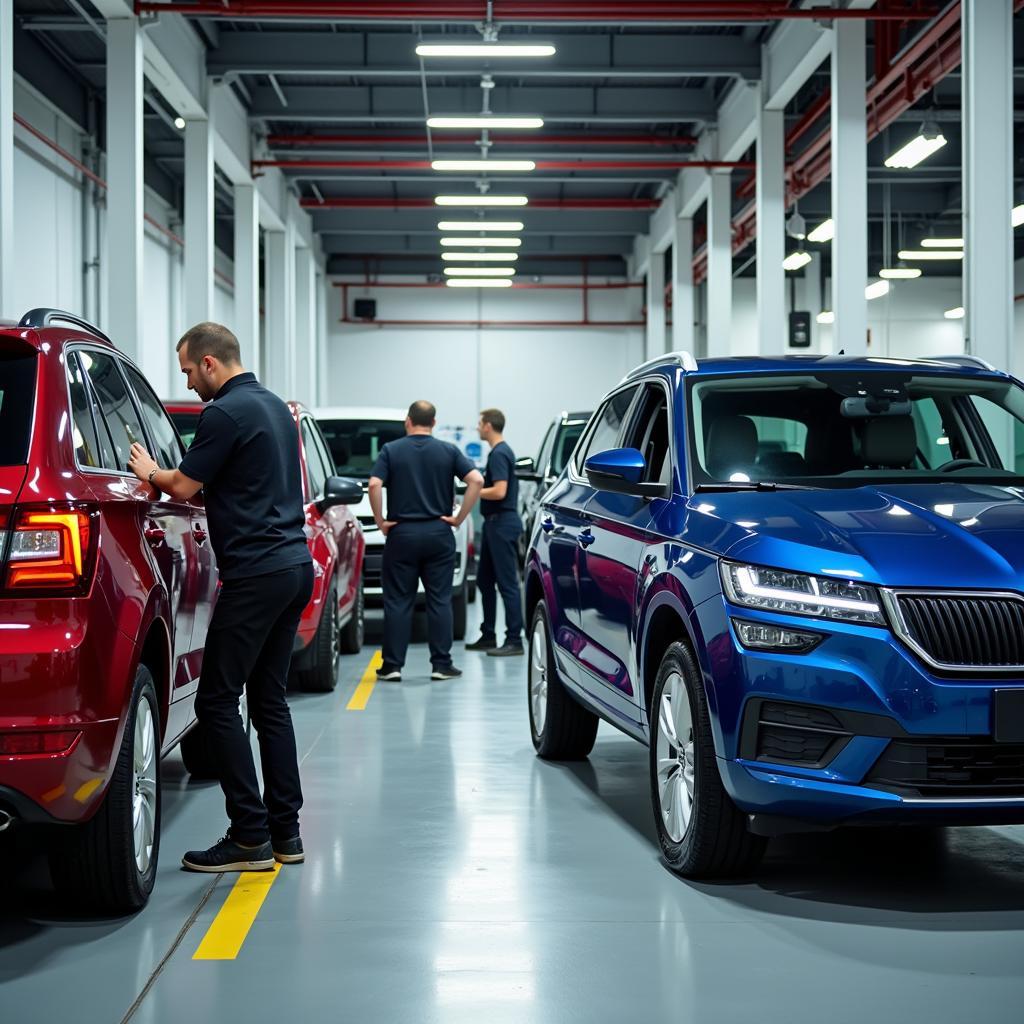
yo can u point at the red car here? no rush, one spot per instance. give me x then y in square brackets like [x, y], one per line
[332, 622]
[105, 598]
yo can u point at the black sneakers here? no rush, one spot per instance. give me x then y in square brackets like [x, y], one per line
[506, 651]
[288, 851]
[485, 643]
[228, 855]
[450, 672]
[391, 675]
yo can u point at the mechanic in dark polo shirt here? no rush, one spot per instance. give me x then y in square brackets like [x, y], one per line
[245, 456]
[419, 472]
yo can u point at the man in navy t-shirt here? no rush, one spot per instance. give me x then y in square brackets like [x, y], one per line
[419, 472]
[499, 559]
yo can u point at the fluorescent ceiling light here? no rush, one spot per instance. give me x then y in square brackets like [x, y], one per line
[480, 225]
[928, 141]
[179, 123]
[478, 282]
[484, 257]
[899, 273]
[942, 243]
[1017, 217]
[876, 290]
[480, 271]
[930, 254]
[956, 313]
[483, 165]
[482, 200]
[824, 232]
[485, 50]
[796, 260]
[826, 316]
[455, 242]
[485, 121]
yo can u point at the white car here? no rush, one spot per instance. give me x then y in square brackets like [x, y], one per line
[355, 435]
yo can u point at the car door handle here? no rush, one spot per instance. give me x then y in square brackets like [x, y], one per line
[199, 534]
[350, 525]
[547, 524]
[585, 539]
[153, 533]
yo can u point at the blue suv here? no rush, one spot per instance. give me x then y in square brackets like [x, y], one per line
[800, 582]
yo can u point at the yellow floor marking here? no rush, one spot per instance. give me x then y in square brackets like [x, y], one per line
[366, 684]
[227, 932]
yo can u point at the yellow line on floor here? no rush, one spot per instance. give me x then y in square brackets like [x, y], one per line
[366, 684]
[227, 932]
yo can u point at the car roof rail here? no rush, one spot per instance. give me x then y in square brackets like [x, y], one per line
[683, 359]
[965, 360]
[43, 317]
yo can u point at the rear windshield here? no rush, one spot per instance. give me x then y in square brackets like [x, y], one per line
[187, 424]
[355, 444]
[17, 391]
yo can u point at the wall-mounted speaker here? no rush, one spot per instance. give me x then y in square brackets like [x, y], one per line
[364, 309]
[799, 329]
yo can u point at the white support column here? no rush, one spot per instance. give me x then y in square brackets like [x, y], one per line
[849, 188]
[683, 339]
[279, 346]
[719, 290]
[771, 231]
[125, 201]
[654, 336]
[199, 221]
[304, 388]
[323, 362]
[7, 307]
[988, 179]
[247, 274]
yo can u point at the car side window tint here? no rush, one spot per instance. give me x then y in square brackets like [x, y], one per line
[649, 434]
[607, 425]
[168, 448]
[314, 466]
[115, 405]
[87, 445]
[325, 453]
[542, 452]
[564, 445]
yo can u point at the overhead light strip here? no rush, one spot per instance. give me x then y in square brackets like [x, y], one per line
[483, 165]
[480, 225]
[480, 271]
[453, 241]
[485, 121]
[481, 200]
[483, 257]
[485, 50]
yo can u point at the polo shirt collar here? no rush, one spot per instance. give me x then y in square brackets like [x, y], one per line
[242, 378]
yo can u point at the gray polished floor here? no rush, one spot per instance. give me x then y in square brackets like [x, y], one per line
[452, 877]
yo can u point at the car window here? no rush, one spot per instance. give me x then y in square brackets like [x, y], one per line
[325, 453]
[314, 464]
[649, 434]
[115, 405]
[17, 395]
[565, 444]
[608, 423]
[540, 463]
[165, 438]
[88, 452]
[355, 444]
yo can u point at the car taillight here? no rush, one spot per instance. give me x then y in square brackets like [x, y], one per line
[51, 550]
[15, 743]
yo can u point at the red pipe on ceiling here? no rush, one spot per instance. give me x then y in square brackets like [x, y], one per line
[349, 202]
[537, 141]
[542, 165]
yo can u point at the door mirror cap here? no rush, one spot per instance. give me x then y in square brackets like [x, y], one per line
[621, 471]
[340, 490]
[526, 469]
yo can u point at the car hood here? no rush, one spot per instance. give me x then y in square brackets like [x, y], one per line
[946, 535]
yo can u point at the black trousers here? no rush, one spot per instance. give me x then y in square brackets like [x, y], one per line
[417, 551]
[250, 641]
[499, 568]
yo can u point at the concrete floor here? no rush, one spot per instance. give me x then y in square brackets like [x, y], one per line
[451, 877]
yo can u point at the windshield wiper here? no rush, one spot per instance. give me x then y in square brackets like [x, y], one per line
[751, 485]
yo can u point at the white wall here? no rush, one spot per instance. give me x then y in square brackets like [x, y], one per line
[531, 373]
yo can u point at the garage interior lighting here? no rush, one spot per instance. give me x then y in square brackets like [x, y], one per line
[454, 242]
[483, 165]
[1017, 217]
[480, 225]
[876, 290]
[899, 273]
[796, 260]
[824, 232]
[179, 123]
[826, 316]
[485, 121]
[484, 257]
[478, 282]
[928, 140]
[942, 243]
[930, 254]
[481, 200]
[956, 313]
[480, 271]
[485, 50]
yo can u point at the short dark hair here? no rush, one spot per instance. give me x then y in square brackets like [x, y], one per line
[209, 339]
[422, 414]
[495, 417]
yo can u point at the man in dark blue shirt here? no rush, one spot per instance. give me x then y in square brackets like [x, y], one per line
[499, 560]
[419, 472]
[245, 456]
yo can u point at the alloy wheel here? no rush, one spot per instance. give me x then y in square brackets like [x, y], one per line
[676, 758]
[539, 676]
[144, 769]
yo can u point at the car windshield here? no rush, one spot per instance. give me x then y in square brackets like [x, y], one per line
[355, 444]
[17, 391]
[187, 424]
[848, 428]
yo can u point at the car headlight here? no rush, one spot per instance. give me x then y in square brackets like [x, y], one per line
[795, 593]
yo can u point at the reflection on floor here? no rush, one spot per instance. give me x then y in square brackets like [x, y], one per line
[452, 877]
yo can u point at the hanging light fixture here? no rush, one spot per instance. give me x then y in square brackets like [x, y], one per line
[928, 140]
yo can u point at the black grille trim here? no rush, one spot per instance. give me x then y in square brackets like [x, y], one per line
[937, 768]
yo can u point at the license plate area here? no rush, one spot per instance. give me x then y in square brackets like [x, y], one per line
[1008, 716]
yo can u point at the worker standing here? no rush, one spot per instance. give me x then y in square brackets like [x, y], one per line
[419, 472]
[499, 547]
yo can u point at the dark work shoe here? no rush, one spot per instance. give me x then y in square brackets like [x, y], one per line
[448, 672]
[485, 643]
[390, 675]
[288, 851]
[506, 651]
[228, 855]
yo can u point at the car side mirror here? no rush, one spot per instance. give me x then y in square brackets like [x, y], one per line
[621, 471]
[340, 490]
[527, 470]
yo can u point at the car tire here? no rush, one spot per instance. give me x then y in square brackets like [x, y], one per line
[459, 612]
[561, 728]
[353, 632]
[702, 833]
[322, 674]
[109, 864]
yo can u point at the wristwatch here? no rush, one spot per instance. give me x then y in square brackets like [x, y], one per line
[152, 473]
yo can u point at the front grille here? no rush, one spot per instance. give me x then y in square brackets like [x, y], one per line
[950, 768]
[373, 565]
[964, 631]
